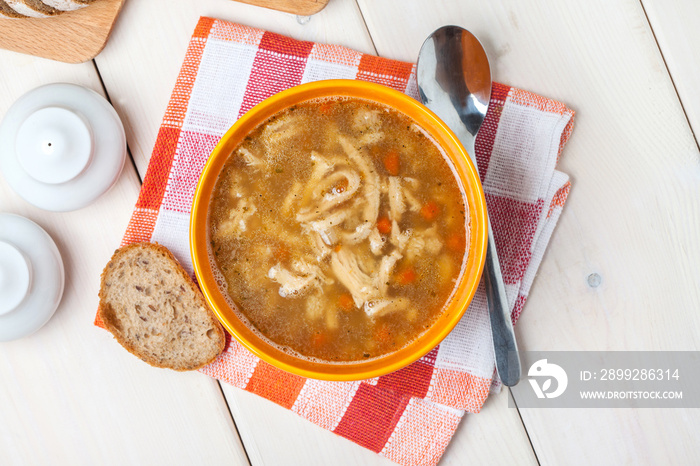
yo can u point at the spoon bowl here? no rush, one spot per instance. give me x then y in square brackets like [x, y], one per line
[454, 80]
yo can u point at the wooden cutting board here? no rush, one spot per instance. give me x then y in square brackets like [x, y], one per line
[72, 37]
[297, 7]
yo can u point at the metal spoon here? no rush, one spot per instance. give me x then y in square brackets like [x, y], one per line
[454, 81]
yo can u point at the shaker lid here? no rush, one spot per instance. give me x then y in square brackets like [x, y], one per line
[61, 146]
[31, 277]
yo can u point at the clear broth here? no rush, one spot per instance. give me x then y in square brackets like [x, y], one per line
[339, 229]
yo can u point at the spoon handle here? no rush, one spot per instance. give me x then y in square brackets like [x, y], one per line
[504, 345]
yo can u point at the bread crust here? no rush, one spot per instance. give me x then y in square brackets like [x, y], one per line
[107, 312]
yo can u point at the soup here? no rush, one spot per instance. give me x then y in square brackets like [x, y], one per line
[338, 229]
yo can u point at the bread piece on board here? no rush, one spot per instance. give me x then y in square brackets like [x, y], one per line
[8, 12]
[33, 8]
[155, 311]
[66, 5]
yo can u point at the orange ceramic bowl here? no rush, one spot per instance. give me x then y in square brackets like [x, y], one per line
[468, 179]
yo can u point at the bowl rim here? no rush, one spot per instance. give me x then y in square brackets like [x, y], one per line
[477, 227]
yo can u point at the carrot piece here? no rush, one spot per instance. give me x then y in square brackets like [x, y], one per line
[406, 276]
[318, 339]
[382, 333]
[337, 248]
[282, 253]
[391, 162]
[384, 225]
[430, 210]
[325, 108]
[346, 302]
[456, 242]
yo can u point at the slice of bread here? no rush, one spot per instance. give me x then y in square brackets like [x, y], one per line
[33, 8]
[155, 311]
[39, 8]
[67, 5]
[8, 12]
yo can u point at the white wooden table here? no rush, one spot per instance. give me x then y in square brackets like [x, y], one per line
[630, 68]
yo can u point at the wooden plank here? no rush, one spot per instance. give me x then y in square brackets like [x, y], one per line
[675, 25]
[632, 216]
[139, 78]
[70, 393]
[72, 37]
[296, 7]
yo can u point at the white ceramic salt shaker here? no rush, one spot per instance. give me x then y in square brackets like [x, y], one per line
[61, 146]
[31, 277]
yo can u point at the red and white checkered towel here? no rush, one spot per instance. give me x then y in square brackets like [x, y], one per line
[408, 416]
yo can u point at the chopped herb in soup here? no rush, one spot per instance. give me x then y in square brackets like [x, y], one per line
[339, 229]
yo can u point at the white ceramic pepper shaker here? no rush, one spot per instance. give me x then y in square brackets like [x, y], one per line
[31, 277]
[61, 146]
